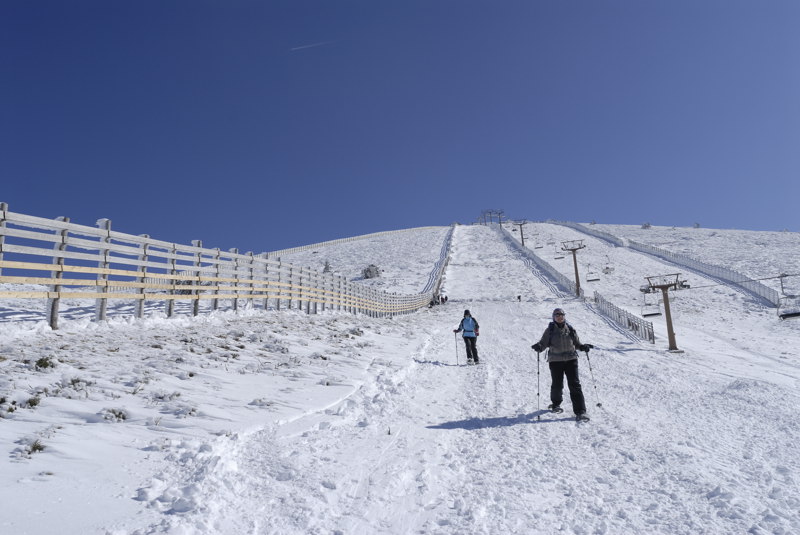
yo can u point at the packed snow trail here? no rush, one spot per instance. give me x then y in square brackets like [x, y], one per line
[431, 447]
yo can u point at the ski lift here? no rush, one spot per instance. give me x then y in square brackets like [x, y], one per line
[608, 269]
[558, 253]
[591, 275]
[650, 306]
[788, 305]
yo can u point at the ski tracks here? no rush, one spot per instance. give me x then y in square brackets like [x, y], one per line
[426, 446]
[360, 467]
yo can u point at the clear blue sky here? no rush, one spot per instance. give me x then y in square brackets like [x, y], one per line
[270, 124]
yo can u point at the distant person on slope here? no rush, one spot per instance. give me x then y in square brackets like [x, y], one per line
[562, 341]
[469, 326]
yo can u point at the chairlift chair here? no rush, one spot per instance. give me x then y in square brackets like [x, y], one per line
[788, 305]
[789, 308]
[608, 269]
[592, 276]
[650, 307]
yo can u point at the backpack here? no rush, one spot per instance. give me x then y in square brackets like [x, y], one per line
[552, 327]
[473, 325]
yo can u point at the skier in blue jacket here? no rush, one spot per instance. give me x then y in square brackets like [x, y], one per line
[469, 326]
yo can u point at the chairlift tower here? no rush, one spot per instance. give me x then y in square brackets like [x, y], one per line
[491, 212]
[665, 283]
[574, 246]
[521, 224]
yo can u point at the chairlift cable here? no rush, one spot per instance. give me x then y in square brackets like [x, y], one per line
[747, 280]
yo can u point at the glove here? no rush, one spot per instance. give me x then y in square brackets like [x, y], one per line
[585, 347]
[537, 347]
[477, 333]
[455, 330]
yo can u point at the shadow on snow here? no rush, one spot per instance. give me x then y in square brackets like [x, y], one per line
[503, 421]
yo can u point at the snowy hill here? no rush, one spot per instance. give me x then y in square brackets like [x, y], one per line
[281, 422]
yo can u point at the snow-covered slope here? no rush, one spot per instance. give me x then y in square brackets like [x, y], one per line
[279, 422]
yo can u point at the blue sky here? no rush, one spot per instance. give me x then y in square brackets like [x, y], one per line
[264, 125]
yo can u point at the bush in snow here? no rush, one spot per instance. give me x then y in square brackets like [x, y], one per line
[45, 362]
[114, 415]
[371, 272]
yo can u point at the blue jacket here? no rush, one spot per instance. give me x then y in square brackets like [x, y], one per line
[470, 327]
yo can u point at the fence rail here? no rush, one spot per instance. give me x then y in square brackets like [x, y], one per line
[728, 275]
[619, 242]
[309, 247]
[640, 327]
[564, 282]
[81, 262]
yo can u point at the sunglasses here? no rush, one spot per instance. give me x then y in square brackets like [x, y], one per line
[559, 314]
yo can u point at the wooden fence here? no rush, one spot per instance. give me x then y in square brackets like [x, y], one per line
[640, 327]
[727, 275]
[75, 261]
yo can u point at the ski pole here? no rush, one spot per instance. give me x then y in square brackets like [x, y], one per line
[538, 409]
[455, 337]
[594, 384]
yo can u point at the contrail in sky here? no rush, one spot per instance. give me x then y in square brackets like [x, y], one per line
[311, 45]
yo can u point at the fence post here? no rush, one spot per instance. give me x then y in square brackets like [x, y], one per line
[143, 270]
[291, 286]
[315, 274]
[311, 284]
[279, 287]
[300, 290]
[170, 304]
[54, 301]
[252, 277]
[326, 280]
[3, 217]
[198, 264]
[101, 304]
[265, 287]
[235, 263]
[215, 301]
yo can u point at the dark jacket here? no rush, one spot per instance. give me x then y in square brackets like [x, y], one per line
[562, 342]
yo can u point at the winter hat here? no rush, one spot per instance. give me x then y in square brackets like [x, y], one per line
[558, 311]
[466, 313]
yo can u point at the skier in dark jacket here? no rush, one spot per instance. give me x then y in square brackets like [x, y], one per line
[469, 326]
[562, 341]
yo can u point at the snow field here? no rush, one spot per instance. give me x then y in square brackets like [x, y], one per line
[282, 423]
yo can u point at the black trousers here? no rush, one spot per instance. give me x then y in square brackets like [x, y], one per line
[472, 348]
[569, 368]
